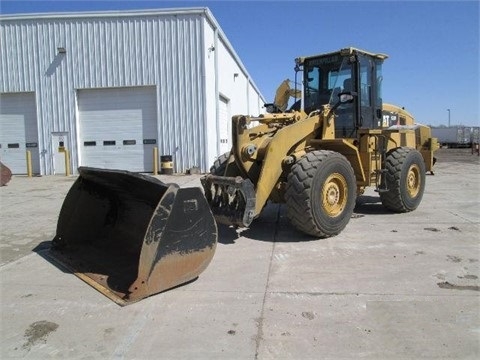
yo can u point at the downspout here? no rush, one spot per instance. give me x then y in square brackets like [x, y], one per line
[217, 93]
[248, 97]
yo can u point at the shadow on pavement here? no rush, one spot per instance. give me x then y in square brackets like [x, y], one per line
[370, 205]
[274, 222]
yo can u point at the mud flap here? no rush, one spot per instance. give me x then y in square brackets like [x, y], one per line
[131, 236]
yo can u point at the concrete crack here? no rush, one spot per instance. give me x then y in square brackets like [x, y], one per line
[260, 319]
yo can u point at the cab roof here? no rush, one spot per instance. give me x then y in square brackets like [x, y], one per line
[343, 52]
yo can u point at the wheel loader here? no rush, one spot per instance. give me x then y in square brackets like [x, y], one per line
[321, 154]
[131, 236]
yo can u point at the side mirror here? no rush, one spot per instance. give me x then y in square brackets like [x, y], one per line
[269, 108]
[346, 97]
[272, 108]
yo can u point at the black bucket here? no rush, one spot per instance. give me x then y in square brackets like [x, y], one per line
[166, 164]
[131, 236]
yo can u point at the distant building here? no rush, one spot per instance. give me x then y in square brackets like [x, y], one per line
[111, 86]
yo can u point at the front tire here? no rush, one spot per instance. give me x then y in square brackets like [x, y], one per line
[220, 165]
[321, 193]
[404, 179]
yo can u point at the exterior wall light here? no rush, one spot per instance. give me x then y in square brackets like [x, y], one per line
[61, 50]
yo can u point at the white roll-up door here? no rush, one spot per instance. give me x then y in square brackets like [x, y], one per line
[18, 132]
[118, 128]
[224, 125]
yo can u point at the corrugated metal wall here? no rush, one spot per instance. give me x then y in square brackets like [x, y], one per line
[111, 51]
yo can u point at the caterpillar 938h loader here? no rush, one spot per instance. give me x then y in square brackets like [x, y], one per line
[318, 157]
[131, 236]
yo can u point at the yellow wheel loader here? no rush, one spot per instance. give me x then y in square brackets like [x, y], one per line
[321, 154]
[131, 236]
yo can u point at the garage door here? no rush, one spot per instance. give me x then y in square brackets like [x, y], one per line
[18, 132]
[118, 128]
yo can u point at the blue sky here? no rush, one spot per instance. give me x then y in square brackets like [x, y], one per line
[433, 46]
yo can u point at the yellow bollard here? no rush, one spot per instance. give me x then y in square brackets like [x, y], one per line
[67, 162]
[155, 161]
[29, 163]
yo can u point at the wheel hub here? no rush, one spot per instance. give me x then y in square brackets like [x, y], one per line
[413, 180]
[334, 194]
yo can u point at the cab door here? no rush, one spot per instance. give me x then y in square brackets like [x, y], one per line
[366, 92]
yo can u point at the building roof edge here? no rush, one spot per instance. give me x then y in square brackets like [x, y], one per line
[108, 13]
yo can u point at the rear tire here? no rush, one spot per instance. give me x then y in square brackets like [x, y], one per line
[321, 193]
[220, 165]
[405, 180]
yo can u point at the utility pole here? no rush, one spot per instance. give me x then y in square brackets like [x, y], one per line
[448, 117]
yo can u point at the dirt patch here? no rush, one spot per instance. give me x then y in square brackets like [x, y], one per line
[308, 315]
[470, 277]
[454, 259]
[38, 332]
[447, 285]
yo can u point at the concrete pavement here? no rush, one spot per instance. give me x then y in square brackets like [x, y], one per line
[390, 286]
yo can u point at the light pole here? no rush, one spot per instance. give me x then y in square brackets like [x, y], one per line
[448, 117]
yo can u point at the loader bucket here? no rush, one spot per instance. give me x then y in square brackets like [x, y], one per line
[131, 236]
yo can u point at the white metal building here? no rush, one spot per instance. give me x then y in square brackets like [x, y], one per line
[111, 86]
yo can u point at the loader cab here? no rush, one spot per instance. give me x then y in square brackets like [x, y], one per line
[348, 71]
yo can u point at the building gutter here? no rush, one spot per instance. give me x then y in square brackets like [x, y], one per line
[105, 14]
[217, 92]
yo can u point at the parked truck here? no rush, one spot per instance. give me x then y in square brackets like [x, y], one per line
[456, 136]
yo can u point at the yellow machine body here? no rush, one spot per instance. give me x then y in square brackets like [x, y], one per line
[268, 148]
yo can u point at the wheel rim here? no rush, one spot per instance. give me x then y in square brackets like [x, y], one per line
[413, 180]
[334, 194]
